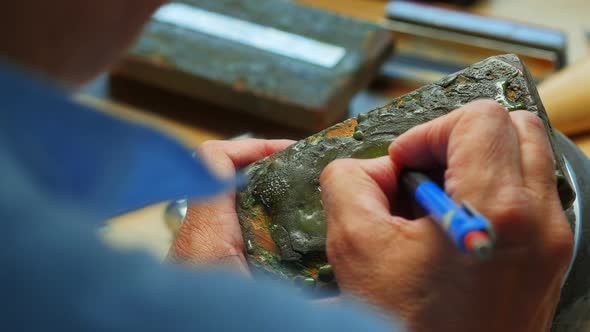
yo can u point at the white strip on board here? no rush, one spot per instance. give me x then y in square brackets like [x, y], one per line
[251, 34]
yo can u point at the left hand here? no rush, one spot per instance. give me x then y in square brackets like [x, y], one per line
[211, 231]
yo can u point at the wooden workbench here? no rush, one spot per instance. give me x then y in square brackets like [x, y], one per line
[146, 228]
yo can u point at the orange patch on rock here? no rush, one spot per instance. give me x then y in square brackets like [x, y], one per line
[344, 129]
[260, 223]
[313, 272]
[511, 94]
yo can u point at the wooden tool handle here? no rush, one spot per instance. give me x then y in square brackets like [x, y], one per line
[566, 96]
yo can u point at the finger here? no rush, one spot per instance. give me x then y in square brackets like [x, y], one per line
[356, 198]
[224, 157]
[538, 163]
[477, 143]
[425, 146]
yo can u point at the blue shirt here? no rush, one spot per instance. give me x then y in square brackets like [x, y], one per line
[63, 169]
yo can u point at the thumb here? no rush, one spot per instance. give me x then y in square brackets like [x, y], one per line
[357, 196]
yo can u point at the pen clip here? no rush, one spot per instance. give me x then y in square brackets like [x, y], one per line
[469, 209]
[472, 212]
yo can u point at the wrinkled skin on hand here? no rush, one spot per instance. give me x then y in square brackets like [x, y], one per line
[281, 213]
[211, 234]
[499, 162]
[380, 251]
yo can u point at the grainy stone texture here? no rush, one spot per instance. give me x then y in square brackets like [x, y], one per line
[280, 211]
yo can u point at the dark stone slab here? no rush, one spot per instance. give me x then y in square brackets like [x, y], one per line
[260, 83]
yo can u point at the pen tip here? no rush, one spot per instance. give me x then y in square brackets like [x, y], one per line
[483, 249]
[479, 244]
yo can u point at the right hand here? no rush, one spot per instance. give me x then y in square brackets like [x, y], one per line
[499, 162]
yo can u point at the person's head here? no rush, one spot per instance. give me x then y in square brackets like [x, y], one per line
[70, 40]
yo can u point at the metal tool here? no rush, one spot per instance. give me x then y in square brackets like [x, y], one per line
[175, 214]
[432, 42]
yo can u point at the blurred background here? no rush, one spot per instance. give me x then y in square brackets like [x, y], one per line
[220, 69]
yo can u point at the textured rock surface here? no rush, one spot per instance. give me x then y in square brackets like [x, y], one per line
[280, 211]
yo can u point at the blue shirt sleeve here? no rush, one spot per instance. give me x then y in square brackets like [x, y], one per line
[56, 274]
[64, 167]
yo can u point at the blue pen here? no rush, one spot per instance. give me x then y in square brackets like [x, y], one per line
[469, 230]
